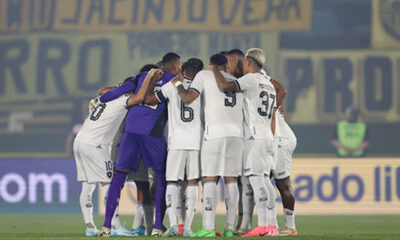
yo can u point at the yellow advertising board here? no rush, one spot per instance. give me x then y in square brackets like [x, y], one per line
[325, 186]
[385, 24]
[154, 15]
[322, 84]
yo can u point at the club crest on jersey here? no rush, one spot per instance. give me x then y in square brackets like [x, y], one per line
[389, 17]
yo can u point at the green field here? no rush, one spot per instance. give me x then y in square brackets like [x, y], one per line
[38, 226]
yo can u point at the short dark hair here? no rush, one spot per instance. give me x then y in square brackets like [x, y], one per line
[193, 64]
[148, 67]
[236, 51]
[223, 52]
[218, 59]
[171, 56]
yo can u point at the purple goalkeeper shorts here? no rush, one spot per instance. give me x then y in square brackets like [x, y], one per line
[153, 150]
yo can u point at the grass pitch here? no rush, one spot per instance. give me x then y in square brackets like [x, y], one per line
[41, 226]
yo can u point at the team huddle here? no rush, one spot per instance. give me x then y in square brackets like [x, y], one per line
[224, 122]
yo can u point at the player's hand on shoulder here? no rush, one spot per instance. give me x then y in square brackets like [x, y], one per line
[103, 90]
[94, 102]
[282, 110]
[156, 74]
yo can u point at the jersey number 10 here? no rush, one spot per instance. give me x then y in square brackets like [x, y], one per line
[98, 110]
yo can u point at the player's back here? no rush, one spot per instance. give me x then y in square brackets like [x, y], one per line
[259, 102]
[103, 122]
[223, 111]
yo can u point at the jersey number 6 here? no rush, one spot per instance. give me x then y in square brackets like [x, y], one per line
[186, 113]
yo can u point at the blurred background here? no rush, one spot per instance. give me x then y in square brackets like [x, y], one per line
[329, 54]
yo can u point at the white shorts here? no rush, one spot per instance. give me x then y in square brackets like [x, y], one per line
[285, 151]
[93, 163]
[181, 163]
[257, 157]
[222, 157]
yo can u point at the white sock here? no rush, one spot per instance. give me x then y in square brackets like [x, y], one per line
[260, 197]
[86, 202]
[171, 199]
[139, 217]
[191, 201]
[289, 218]
[248, 204]
[115, 223]
[209, 199]
[231, 202]
[271, 208]
[104, 193]
[181, 206]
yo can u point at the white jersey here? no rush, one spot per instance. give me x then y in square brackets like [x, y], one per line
[184, 125]
[223, 112]
[259, 102]
[103, 122]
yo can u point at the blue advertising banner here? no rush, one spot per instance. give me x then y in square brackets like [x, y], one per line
[39, 186]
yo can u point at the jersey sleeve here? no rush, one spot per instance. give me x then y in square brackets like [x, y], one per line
[198, 82]
[118, 91]
[164, 93]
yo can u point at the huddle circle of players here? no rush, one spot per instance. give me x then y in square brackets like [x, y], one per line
[224, 122]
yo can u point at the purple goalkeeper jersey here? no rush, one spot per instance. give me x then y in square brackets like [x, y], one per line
[142, 119]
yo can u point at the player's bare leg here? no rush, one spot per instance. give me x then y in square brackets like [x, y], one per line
[288, 201]
[231, 202]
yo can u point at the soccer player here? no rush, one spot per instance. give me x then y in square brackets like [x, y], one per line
[222, 145]
[143, 137]
[91, 148]
[286, 144]
[144, 211]
[259, 102]
[184, 138]
[235, 59]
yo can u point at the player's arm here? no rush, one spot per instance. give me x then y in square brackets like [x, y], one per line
[152, 76]
[280, 92]
[103, 90]
[150, 97]
[187, 96]
[273, 122]
[118, 91]
[223, 84]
